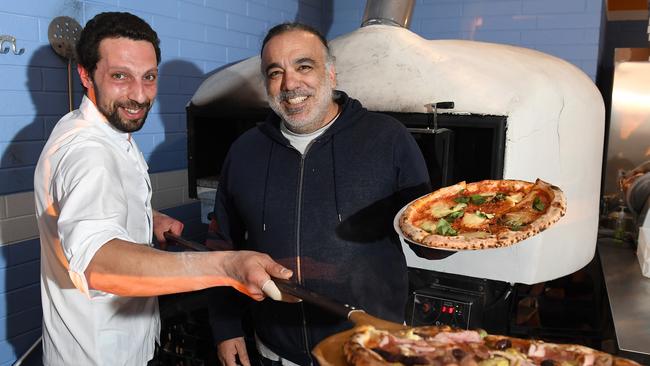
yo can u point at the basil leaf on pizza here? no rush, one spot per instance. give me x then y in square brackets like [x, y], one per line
[454, 215]
[538, 204]
[477, 199]
[485, 214]
[461, 199]
[443, 228]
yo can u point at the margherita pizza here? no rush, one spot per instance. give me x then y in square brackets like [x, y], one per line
[446, 346]
[480, 215]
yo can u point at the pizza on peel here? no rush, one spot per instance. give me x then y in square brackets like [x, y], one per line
[481, 215]
[447, 346]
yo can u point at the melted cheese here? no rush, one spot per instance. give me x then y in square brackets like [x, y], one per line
[441, 209]
[519, 218]
[410, 334]
[428, 225]
[515, 198]
[472, 220]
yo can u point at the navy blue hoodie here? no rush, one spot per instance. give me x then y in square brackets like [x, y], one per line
[326, 215]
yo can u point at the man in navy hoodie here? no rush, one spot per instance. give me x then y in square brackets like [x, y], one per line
[316, 186]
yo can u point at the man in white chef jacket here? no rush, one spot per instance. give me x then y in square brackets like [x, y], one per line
[99, 274]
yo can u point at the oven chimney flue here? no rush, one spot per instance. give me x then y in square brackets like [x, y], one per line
[388, 12]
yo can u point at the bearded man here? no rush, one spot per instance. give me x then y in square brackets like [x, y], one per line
[316, 187]
[99, 274]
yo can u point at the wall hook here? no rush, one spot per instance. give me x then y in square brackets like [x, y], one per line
[12, 41]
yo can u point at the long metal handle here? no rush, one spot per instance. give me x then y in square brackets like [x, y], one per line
[429, 131]
[286, 286]
[186, 243]
[70, 85]
[31, 349]
[294, 289]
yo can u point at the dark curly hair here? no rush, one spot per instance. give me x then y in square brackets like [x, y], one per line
[288, 27]
[112, 25]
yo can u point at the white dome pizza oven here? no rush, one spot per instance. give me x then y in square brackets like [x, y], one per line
[515, 113]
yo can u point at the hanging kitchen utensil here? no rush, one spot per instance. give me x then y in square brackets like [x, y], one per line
[63, 34]
[5, 38]
[437, 143]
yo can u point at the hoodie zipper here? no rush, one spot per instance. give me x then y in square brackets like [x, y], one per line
[298, 262]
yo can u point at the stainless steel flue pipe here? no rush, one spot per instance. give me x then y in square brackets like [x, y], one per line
[388, 12]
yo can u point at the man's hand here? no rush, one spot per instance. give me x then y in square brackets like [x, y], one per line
[228, 350]
[251, 270]
[163, 223]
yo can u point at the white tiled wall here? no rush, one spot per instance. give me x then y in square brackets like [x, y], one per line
[170, 189]
[18, 220]
[3, 208]
[14, 229]
[19, 204]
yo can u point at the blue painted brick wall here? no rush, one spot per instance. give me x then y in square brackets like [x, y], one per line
[20, 303]
[568, 29]
[196, 38]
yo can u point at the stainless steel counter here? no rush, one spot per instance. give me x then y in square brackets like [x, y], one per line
[629, 298]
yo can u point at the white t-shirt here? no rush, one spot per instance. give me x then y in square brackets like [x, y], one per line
[302, 142]
[91, 185]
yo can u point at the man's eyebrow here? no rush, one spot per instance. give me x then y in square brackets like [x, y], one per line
[271, 66]
[128, 70]
[299, 61]
[303, 60]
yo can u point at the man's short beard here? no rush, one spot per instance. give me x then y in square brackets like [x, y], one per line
[113, 117]
[126, 125]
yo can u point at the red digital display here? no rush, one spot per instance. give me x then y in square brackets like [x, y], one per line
[447, 309]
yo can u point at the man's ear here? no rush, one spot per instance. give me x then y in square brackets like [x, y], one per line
[87, 82]
[85, 77]
[331, 73]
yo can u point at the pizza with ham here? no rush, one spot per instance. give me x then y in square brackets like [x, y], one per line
[481, 215]
[447, 346]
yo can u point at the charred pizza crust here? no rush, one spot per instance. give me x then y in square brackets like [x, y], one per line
[358, 350]
[484, 238]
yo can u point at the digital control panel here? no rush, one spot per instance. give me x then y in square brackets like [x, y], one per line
[434, 310]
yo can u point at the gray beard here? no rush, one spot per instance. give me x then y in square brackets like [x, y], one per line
[315, 119]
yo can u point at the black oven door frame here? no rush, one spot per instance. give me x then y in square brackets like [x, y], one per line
[469, 147]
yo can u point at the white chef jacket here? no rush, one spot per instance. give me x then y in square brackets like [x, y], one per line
[91, 185]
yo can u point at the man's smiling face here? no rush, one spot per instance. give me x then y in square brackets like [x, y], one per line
[299, 80]
[125, 82]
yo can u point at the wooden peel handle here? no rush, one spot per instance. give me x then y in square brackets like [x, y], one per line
[363, 318]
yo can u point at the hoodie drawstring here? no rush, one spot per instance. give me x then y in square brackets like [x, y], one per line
[266, 187]
[336, 200]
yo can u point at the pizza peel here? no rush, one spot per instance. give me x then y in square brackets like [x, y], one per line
[329, 351]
